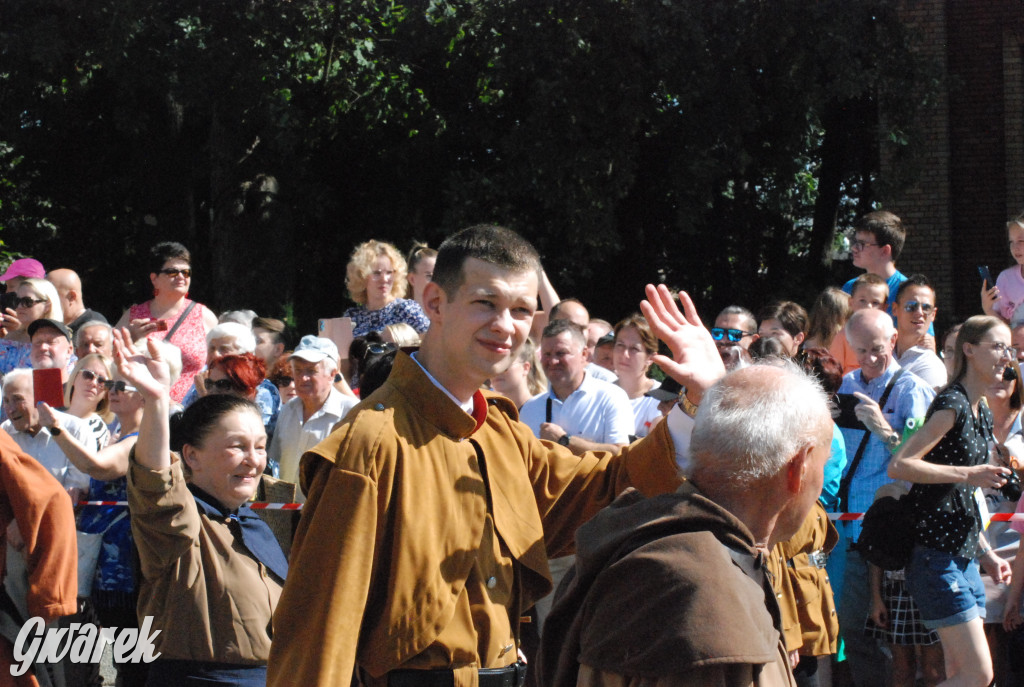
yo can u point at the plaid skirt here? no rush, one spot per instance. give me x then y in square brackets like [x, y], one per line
[905, 628]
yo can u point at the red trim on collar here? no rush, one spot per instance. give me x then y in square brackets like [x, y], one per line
[479, 409]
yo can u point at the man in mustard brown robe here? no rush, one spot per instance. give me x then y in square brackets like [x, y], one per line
[432, 510]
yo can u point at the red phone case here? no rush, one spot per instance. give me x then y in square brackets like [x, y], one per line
[48, 387]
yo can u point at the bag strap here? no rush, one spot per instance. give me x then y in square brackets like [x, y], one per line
[547, 410]
[844, 485]
[181, 318]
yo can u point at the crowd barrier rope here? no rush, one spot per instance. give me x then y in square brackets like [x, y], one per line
[265, 505]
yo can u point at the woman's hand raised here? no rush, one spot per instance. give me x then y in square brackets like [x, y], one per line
[150, 375]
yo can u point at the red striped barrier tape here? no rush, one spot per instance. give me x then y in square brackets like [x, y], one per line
[259, 505]
[264, 505]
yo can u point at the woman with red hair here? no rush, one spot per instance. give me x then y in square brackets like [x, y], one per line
[236, 374]
[243, 375]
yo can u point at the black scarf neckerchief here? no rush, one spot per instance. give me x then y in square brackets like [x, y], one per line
[256, 535]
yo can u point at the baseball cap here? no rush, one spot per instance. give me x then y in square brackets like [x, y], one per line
[313, 349]
[36, 325]
[24, 267]
[668, 391]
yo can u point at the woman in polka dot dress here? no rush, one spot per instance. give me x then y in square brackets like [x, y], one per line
[947, 460]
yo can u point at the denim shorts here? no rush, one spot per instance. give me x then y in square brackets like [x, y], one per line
[947, 589]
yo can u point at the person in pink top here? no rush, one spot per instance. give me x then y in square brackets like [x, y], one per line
[170, 315]
[1008, 293]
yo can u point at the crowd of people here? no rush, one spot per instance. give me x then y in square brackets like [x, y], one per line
[462, 452]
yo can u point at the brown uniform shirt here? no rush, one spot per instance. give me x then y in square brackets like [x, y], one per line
[425, 537]
[803, 590]
[209, 597]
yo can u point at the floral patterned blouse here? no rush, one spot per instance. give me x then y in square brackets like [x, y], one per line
[190, 340]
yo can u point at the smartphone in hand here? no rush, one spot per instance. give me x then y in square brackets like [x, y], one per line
[986, 275]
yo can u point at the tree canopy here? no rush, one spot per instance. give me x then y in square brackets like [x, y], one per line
[713, 145]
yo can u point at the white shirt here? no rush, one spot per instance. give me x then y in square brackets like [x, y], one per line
[602, 373]
[925, 364]
[293, 437]
[645, 414]
[43, 447]
[595, 411]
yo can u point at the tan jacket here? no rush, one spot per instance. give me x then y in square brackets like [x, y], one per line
[804, 592]
[209, 597]
[424, 538]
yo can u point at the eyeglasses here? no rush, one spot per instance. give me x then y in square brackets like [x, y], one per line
[91, 376]
[926, 308]
[221, 385]
[171, 272]
[1000, 348]
[857, 244]
[283, 381]
[118, 386]
[734, 335]
[27, 302]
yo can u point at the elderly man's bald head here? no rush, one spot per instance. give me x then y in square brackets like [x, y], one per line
[872, 337]
[871, 320]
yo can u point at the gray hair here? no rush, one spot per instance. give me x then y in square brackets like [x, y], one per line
[753, 421]
[90, 323]
[14, 374]
[241, 333]
[870, 320]
[244, 317]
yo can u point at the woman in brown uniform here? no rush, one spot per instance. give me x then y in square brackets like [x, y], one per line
[212, 569]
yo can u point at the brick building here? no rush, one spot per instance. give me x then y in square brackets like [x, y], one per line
[972, 179]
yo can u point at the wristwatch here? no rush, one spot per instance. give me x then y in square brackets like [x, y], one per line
[893, 440]
[55, 431]
[688, 406]
[564, 439]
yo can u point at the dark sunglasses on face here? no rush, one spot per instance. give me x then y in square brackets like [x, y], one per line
[733, 335]
[283, 381]
[91, 376]
[926, 308]
[187, 273]
[118, 386]
[221, 385]
[27, 302]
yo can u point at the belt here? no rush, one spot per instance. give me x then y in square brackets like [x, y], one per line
[509, 676]
[816, 559]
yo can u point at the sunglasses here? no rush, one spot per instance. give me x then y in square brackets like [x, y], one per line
[118, 386]
[926, 308]
[170, 272]
[27, 302]
[222, 385]
[91, 376]
[733, 335]
[378, 349]
[283, 381]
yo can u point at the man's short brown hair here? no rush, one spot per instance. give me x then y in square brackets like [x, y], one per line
[887, 229]
[487, 242]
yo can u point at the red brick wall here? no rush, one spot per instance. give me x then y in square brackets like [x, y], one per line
[973, 179]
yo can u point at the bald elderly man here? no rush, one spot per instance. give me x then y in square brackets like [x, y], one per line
[69, 288]
[869, 446]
